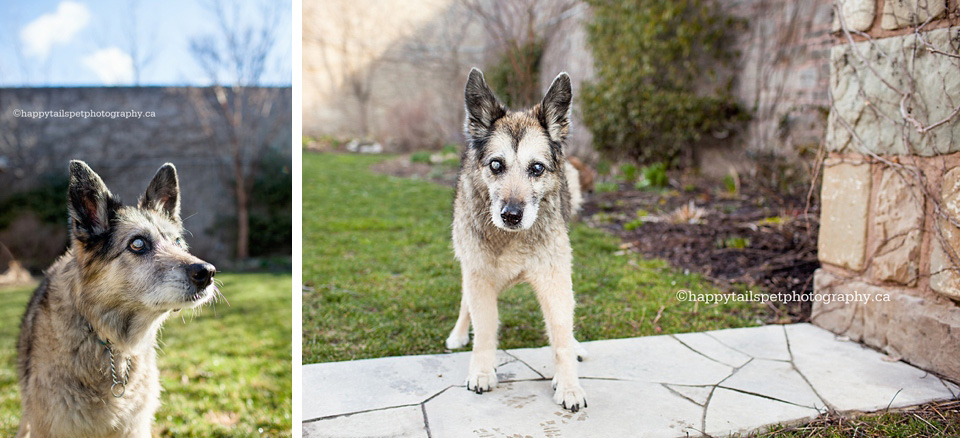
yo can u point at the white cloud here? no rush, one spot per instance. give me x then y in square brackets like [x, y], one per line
[112, 65]
[58, 27]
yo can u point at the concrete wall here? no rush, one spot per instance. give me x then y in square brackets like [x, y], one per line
[127, 152]
[890, 210]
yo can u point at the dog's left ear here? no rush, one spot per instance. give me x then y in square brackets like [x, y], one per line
[554, 111]
[163, 193]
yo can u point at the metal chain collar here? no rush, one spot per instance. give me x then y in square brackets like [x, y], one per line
[113, 374]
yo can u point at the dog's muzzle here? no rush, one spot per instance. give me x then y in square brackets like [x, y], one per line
[512, 214]
[201, 274]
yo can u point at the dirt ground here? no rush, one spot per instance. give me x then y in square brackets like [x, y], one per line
[742, 236]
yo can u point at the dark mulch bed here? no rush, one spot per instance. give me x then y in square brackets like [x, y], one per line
[756, 237]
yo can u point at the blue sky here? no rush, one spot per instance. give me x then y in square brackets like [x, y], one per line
[88, 43]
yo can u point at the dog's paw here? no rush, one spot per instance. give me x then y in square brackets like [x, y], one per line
[480, 382]
[570, 396]
[454, 342]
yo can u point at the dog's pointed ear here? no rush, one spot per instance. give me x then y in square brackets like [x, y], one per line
[91, 204]
[163, 193]
[554, 111]
[482, 105]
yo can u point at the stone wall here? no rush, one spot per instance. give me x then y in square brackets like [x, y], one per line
[127, 152]
[891, 184]
[781, 77]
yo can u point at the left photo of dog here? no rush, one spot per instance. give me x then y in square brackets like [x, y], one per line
[146, 197]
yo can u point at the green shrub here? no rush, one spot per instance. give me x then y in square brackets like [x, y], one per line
[655, 91]
[603, 167]
[735, 242]
[48, 200]
[420, 157]
[628, 172]
[654, 177]
[451, 148]
[656, 174]
[515, 78]
[271, 206]
[607, 187]
[730, 183]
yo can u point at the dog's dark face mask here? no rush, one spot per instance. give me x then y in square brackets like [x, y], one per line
[135, 256]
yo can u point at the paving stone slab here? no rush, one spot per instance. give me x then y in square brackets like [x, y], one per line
[659, 359]
[851, 377]
[710, 347]
[765, 342]
[774, 379]
[731, 412]
[405, 422]
[343, 387]
[522, 409]
[696, 394]
[650, 386]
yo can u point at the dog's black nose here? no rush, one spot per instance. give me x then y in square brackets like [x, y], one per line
[201, 274]
[512, 214]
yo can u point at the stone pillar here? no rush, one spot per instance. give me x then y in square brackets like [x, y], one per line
[889, 237]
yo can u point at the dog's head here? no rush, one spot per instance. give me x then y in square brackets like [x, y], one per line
[135, 256]
[518, 155]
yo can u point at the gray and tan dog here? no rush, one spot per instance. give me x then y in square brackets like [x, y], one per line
[87, 346]
[515, 195]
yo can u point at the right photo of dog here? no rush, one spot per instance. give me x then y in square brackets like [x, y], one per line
[532, 218]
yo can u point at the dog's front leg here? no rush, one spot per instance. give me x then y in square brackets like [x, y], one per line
[482, 298]
[460, 335]
[554, 290]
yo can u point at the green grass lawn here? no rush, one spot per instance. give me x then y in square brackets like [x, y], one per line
[225, 372]
[382, 279]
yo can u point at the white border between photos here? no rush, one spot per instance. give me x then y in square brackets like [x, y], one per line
[297, 260]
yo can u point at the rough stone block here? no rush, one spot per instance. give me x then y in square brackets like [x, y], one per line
[898, 225]
[944, 273]
[844, 201]
[924, 331]
[902, 13]
[867, 106]
[858, 14]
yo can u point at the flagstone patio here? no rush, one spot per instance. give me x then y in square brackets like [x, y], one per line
[715, 383]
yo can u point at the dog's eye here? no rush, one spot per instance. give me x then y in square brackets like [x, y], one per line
[536, 169]
[496, 166]
[138, 245]
[179, 242]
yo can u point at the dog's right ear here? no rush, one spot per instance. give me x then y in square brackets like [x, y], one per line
[91, 205]
[483, 108]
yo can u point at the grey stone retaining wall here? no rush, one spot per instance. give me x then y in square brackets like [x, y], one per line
[127, 152]
[890, 200]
